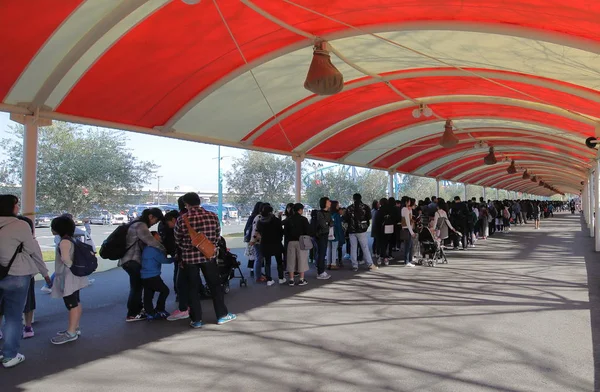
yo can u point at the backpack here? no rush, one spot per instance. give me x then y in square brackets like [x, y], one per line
[114, 246]
[84, 259]
[505, 214]
[314, 222]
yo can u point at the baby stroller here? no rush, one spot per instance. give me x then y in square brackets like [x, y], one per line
[227, 263]
[432, 252]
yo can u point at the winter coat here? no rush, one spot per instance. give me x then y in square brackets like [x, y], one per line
[271, 234]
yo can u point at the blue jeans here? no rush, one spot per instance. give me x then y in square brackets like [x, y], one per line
[258, 262]
[14, 291]
[361, 239]
[408, 249]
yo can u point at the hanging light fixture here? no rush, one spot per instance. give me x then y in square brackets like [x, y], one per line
[541, 183]
[323, 77]
[512, 169]
[448, 139]
[526, 175]
[490, 159]
[422, 110]
[534, 179]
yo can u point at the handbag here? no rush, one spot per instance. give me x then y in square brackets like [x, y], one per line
[200, 241]
[305, 242]
[4, 270]
[404, 235]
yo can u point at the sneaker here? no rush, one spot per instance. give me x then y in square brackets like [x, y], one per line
[373, 267]
[12, 362]
[355, 269]
[334, 267]
[270, 282]
[282, 281]
[139, 317]
[347, 257]
[386, 262]
[291, 283]
[302, 282]
[361, 262]
[66, 338]
[28, 332]
[196, 324]
[262, 279]
[179, 315]
[77, 331]
[324, 276]
[409, 265]
[226, 319]
[46, 290]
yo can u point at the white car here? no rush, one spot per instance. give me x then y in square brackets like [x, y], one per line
[118, 219]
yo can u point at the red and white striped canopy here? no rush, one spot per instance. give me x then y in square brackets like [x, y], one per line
[522, 76]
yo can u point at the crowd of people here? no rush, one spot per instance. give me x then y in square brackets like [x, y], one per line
[288, 237]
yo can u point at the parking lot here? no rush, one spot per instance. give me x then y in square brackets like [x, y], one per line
[100, 232]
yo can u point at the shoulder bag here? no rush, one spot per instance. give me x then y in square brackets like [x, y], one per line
[4, 270]
[199, 240]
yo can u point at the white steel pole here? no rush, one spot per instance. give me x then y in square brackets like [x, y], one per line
[391, 184]
[591, 198]
[437, 187]
[30, 157]
[298, 182]
[597, 205]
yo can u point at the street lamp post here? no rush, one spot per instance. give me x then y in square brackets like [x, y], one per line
[220, 188]
[158, 190]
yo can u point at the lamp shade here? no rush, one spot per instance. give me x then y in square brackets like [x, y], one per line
[534, 179]
[490, 159]
[323, 77]
[512, 169]
[526, 175]
[448, 139]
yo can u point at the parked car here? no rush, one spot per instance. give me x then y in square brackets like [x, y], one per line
[215, 209]
[118, 219]
[100, 217]
[232, 211]
[44, 220]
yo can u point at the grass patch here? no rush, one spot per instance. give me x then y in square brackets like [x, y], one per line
[233, 235]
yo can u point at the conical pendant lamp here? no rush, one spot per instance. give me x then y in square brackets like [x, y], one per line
[448, 139]
[526, 175]
[323, 77]
[512, 169]
[490, 159]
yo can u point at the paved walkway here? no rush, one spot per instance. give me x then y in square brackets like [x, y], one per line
[512, 314]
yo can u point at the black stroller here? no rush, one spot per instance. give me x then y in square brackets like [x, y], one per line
[432, 251]
[228, 263]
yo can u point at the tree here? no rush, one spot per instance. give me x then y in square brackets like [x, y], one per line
[372, 185]
[78, 168]
[417, 187]
[258, 176]
[337, 184]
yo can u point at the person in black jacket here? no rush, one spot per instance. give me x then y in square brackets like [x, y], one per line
[294, 227]
[248, 236]
[358, 217]
[271, 233]
[321, 226]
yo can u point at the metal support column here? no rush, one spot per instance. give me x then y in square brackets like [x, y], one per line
[466, 195]
[591, 188]
[437, 187]
[298, 183]
[597, 205]
[584, 203]
[30, 158]
[391, 184]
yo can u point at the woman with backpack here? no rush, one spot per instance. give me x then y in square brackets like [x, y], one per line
[441, 223]
[66, 284]
[250, 252]
[138, 237]
[334, 260]
[20, 256]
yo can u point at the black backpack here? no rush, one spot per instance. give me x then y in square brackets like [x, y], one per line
[114, 246]
[84, 259]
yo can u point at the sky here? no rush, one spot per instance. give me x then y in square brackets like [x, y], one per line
[153, 148]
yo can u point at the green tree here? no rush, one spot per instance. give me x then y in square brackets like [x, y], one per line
[337, 184]
[417, 187]
[258, 176]
[78, 167]
[372, 185]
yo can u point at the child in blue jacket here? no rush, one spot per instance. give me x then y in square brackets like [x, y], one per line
[152, 261]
